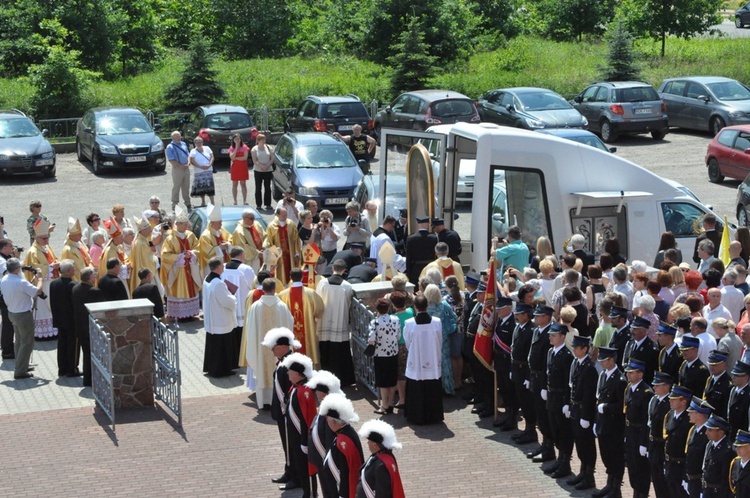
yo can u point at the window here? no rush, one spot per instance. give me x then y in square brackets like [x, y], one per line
[675, 88]
[399, 103]
[311, 110]
[726, 137]
[682, 219]
[507, 100]
[493, 98]
[588, 94]
[284, 150]
[743, 142]
[411, 106]
[696, 90]
[602, 95]
[519, 198]
[600, 224]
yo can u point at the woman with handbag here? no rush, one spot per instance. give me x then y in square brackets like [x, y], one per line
[385, 330]
[263, 161]
[238, 170]
[202, 160]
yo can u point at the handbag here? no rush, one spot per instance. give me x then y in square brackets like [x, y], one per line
[370, 350]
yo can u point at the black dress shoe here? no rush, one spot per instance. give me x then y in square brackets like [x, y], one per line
[486, 413]
[536, 451]
[289, 485]
[25, 375]
[477, 408]
[574, 480]
[526, 438]
[30, 369]
[543, 457]
[509, 426]
[551, 468]
[282, 479]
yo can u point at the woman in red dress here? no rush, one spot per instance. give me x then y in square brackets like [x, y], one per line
[238, 171]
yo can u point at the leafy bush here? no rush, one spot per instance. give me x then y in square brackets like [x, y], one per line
[59, 85]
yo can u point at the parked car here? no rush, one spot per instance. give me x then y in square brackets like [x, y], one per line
[465, 184]
[743, 203]
[216, 124]
[581, 136]
[742, 16]
[706, 103]
[529, 108]
[616, 108]
[728, 154]
[421, 109]
[230, 216]
[329, 114]
[118, 137]
[317, 166]
[23, 148]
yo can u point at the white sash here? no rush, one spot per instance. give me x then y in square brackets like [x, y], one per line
[292, 414]
[279, 393]
[316, 438]
[332, 466]
[369, 492]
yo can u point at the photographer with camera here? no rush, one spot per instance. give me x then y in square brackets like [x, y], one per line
[292, 206]
[356, 227]
[327, 235]
[6, 336]
[19, 296]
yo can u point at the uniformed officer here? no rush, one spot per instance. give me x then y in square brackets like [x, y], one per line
[400, 230]
[717, 459]
[677, 424]
[537, 382]
[739, 473]
[479, 373]
[658, 408]
[450, 237]
[637, 397]
[610, 421]
[670, 358]
[505, 323]
[640, 346]
[621, 335]
[559, 360]
[700, 411]
[718, 384]
[484, 382]
[420, 249]
[583, 380]
[739, 398]
[693, 373]
[519, 371]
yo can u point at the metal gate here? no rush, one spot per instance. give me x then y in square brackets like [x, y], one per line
[101, 369]
[166, 356]
[364, 366]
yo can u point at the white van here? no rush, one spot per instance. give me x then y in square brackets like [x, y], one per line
[548, 186]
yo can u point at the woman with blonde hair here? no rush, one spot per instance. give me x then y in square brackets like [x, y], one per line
[438, 308]
[678, 281]
[543, 249]
[727, 340]
[568, 315]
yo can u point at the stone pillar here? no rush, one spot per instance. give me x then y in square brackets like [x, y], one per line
[129, 326]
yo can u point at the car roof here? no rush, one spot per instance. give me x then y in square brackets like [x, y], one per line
[525, 89]
[702, 79]
[333, 99]
[220, 108]
[115, 110]
[745, 128]
[12, 113]
[621, 84]
[433, 95]
[233, 213]
[313, 138]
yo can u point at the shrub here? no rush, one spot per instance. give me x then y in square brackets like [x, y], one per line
[197, 85]
[621, 58]
[58, 85]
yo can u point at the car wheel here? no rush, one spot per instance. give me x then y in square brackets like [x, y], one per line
[716, 125]
[161, 167]
[742, 218]
[608, 134]
[658, 134]
[714, 172]
[79, 152]
[95, 166]
[737, 22]
[277, 193]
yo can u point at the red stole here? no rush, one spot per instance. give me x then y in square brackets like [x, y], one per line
[256, 237]
[286, 255]
[50, 260]
[219, 241]
[185, 246]
[397, 487]
[84, 256]
[309, 278]
[447, 271]
[120, 254]
[297, 305]
[257, 294]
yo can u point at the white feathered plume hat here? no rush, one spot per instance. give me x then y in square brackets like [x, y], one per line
[336, 405]
[325, 382]
[380, 432]
[299, 363]
[280, 336]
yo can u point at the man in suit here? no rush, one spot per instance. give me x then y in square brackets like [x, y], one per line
[610, 421]
[621, 335]
[505, 324]
[578, 242]
[693, 373]
[637, 398]
[675, 432]
[537, 383]
[420, 248]
[111, 285]
[717, 459]
[670, 358]
[583, 380]
[84, 293]
[61, 305]
[557, 396]
[640, 346]
[658, 408]
[719, 384]
[147, 289]
[710, 233]
[519, 369]
[450, 237]
[739, 398]
[400, 231]
[739, 471]
[697, 439]
[352, 256]
[364, 272]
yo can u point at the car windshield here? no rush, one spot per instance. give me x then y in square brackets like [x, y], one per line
[590, 140]
[452, 108]
[122, 124]
[729, 90]
[543, 101]
[228, 121]
[325, 156]
[636, 94]
[343, 110]
[17, 128]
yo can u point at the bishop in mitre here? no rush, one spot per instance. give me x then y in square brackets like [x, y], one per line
[283, 234]
[249, 235]
[142, 253]
[115, 249]
[74, 249]
[215, 241]
[179, 270]
[41, 256]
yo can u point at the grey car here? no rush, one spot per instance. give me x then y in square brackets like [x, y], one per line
[615, 108]
[23, 148]
[706, 103]
[529, 108]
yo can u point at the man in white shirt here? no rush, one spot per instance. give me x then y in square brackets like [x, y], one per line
[714, 309]
[731, 297]
[698, 329]
[622, 285]
[706, 255]
[292, 206]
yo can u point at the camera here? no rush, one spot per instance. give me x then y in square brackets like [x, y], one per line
[30, 269]
[19, 249]
[165, 226]
[42, 296]
[325, 220]
[353, 223]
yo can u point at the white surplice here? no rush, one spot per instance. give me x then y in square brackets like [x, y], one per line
[242, 277]
[219, 308]
[424, 343]
[337, 301]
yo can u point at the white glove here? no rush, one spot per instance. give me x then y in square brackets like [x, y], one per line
[304, 448]
[685, 486]
[595, 431]
[526, 384]
[566, 411]
[510, 375]
[642, 450]
[544, 394]
[586, 424]
[600, 408]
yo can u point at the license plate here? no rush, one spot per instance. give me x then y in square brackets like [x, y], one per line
[346, 127]
[45, 162]
[643, 111]
[337, 200]
[225, 151]
[135, 159]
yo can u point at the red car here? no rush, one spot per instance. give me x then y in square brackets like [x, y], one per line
[728, 154]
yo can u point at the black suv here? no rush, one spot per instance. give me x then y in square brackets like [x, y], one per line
[216, 124]
[23, 148]
[329, 114]
[424, 108]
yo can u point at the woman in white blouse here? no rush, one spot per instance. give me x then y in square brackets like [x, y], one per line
[202, 160]
[385, 330]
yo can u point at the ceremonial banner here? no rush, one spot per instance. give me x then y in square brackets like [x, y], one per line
[483, 339]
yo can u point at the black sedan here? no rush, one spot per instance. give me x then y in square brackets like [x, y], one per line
[529, 108]
[216, 124]
[23, 148]
[119, 137]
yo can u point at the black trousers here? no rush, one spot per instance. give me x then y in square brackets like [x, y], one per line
[656, 463]
[485, 382]
[559, 424]
[505, 387]
[584, 441]
[6, 335]
[67, 345]
[525, 401]
[281, 424]
[263, 180]
[542, 417]
[674, 474]
[695, 488]
[612, 453]
[638, 469]
[299, 462]
[85, 343]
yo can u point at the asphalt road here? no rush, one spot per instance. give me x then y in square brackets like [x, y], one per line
[728, 29]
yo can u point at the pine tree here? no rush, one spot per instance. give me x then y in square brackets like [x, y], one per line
[621, 59]
[411, 61]
[197, 85]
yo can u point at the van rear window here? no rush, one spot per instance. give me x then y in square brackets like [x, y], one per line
[452, 108]
[637, 94]
[344, 110]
